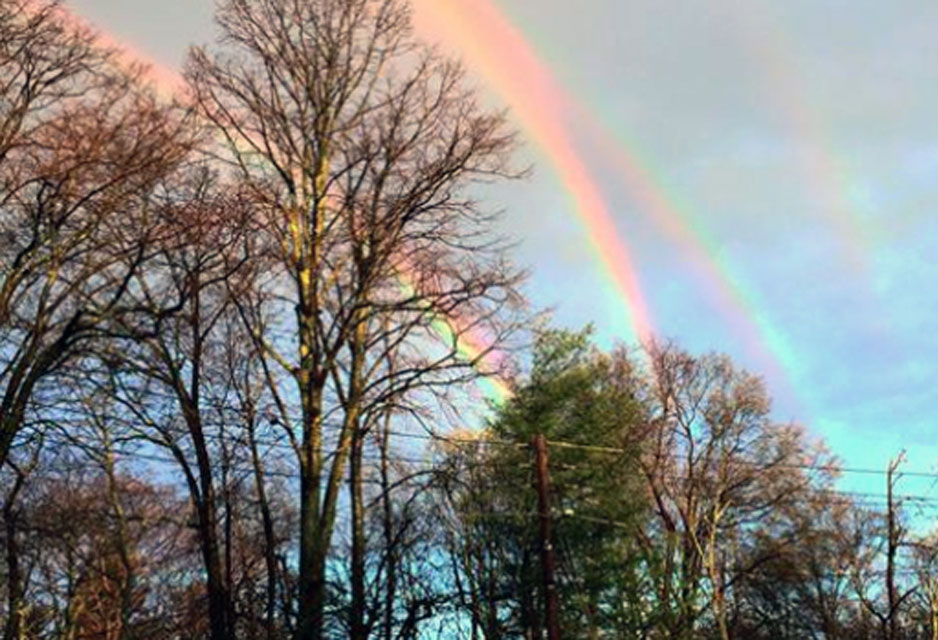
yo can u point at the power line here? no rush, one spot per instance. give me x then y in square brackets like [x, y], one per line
[856, 497]
[779, 465]
[421, 465]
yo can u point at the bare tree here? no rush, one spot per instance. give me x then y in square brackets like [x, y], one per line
[81, 146]
[101, 552]
[880, 556]
[357, 145]
[925, 564]
[169, 373]
[716, 467]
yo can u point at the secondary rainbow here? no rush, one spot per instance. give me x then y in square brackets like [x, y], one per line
[497, 50]
[766, 41]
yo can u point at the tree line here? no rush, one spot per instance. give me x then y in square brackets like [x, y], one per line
[234, 381]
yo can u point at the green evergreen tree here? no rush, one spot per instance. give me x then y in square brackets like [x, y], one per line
[575, 395]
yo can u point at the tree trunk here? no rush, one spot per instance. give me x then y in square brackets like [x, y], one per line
[229, 547]
[15, 588]
[123, 545]
[219, 598]
[933, 605]
[312, 563]
[203, 498]
[218, 595]
[221, 618]
[270, 559]
[318, 512]
[390, 592]
[357, 628]
[9, 427]
[312, 590]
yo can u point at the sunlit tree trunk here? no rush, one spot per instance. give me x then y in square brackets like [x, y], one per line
[357, 628]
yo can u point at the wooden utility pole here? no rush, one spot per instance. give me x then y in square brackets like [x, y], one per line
[547, 548]
[894, 538]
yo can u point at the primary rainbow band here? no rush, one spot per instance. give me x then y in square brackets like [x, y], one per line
[495, 49]
[735, 300]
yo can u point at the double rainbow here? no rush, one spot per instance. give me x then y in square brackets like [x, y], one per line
[500, 54]
[497, 51]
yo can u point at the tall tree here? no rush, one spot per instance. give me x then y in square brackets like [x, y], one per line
[15, 570]
[357, 145]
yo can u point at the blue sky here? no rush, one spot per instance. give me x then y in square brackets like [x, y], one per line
[803, 134]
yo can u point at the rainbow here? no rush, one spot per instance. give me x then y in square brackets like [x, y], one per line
[497, 50]
[507, 62]
[786, 95]
[470, 342]
[165, 81]
[716, 275]
[477, 351]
